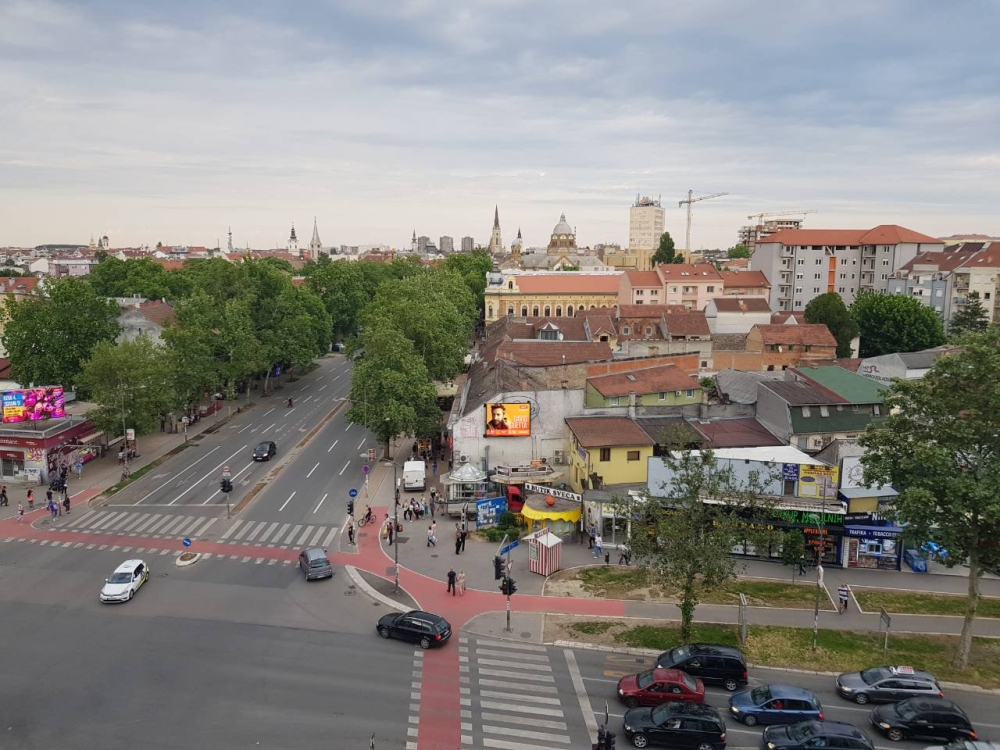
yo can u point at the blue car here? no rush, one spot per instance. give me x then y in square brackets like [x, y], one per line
[774, 704]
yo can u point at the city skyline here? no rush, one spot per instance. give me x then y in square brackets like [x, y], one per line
[378, 121]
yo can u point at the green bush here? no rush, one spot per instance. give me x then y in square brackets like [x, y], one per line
[507, 520]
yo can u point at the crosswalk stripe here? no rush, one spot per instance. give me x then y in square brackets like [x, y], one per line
[243, 531]
[316, 536]
[85, 518]
[535, 722]
[231, 529]
[305, 535]
[512, 645]
[206, 527]
[163, 528]
[494, 652]
[164, 552]
[292, 533]
[518, 686]
[508, 745]
[267, 532]
[509, 707]
[134, 521]
[280, 533]
[256, 530]
[151, 526]
[107, 519]
[527, 734]
[518, 697]
[185, 529]
[329, 538]
[517, 675]
[514, 664]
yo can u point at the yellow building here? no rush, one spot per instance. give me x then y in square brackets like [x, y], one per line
[558, 294]
[607, 451]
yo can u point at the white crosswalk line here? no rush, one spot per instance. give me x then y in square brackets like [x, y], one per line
[153, 524]
[514, 664]
[522, 709]
[256, 530]
[517, 675]
[267, 532]
[169, 528]
[529, 657]
[520, 697]
[527, 734]
[83, 520]
[508, 745]
[276, 539]
[315, 540]
[136, 519]
[329, 538]
[519, 686]
[243, 531]
[305, 535]
[292, 534]
[535, 721]
[231, 529]
[206, 527]
[185, 529]
[510, 646]
[106, 520]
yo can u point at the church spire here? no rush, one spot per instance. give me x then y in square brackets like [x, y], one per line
[314, 244]
[496, 217]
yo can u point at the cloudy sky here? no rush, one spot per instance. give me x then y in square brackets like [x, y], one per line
[172, 121]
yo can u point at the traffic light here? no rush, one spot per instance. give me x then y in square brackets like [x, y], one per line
[497, 568]
[350, 508]
[503, 585]
[511, 586]
[601, 739]
[227, 485]
[609, 741]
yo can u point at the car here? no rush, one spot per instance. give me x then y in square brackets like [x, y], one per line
[809, 735]
[887, 685]
[656, 686]
[415, 626]
[966, 745]
[125, 581]
[679, 724]
[314, 563]
[774, 704]
[722, 665]
[934, 718]
[265, 451]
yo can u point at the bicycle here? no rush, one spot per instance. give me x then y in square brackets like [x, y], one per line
[366, 519]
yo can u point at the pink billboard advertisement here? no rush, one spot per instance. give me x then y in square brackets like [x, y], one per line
[33, 404]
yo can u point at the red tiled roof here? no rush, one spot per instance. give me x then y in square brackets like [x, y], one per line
[741, 304]
[647, 311]
[783, 316]
[688, 272]
[603, 432]
[754, 279]
[549, 353]
[643, 278]
[884, 234]
[158, 312]
[169, 265]
[569, 283]
[814, 334]
[648, 380]
[736, 264]
[691, 323]
[744, 432]
[18, 284]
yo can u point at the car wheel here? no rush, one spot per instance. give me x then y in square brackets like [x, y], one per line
[706, 746]
[631, 702]
[750, 720]
[861, 699]
[639, 740]
[384, 632]
[730, 684]
[131, 593]
[425, 643]
[894, 734]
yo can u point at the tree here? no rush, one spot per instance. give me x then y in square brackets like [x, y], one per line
[891, 323]
[687, 543]
[48, 338]
[830, 310]
[972, 317]
[665, 253]
[739, 251]
[940, 449]
[793, 549]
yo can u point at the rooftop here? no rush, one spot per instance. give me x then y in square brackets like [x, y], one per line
[772, 454]
[811, 334]
[568, 282]
[648, 380]
[853, 388]
[742, 432]
[688, 272]
[798, 393]
[744, 279]
[644, 279]
[604, 432]
[548, 353]
[884, 234]
[741, 304]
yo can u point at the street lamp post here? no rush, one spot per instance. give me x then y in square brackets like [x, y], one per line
[395, 538]
[819, 562]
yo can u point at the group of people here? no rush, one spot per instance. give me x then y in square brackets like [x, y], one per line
[415, 510]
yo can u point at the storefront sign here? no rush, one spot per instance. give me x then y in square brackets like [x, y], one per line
[540, 490]
[790, 472]
[808, 516]
[869, 532]
[488, 510]
[817, 481]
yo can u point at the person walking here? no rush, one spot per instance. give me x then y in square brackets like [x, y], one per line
[392, 530]
[598, 542]
[465, 534]
[31, 499]
[461, 582]
[458, 539]
[624, 555]
[431, 539]
[3, 496]
[843, 593]
[52, 509]
[593, 533]
[20, 512]
[452, 577]
[350, 532]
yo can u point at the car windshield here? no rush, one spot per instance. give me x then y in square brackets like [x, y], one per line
[644, 679]
[689, 681]
[802, 731]
[871, 676]
[906, 709]
[681, 652]
[318, 562]
[661, 713]
[120, 578]
[262, 448]
[760, 695]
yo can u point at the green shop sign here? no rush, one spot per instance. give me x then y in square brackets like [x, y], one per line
[808, 517]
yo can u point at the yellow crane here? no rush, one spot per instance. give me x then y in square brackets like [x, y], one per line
[691, 199]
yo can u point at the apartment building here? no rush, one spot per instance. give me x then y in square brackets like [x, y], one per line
[944, 280]
[690, 285]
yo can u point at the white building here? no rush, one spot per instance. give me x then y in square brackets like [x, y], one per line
[905, 365]
[646, 222]
[737, 314]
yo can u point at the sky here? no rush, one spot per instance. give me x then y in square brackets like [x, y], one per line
[170, 122]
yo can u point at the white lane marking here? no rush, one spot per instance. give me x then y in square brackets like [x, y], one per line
[514, 697]
[332, 446]
[206, 527]
[210, 498]
[517, 675]
[210, 473]
[535, 722]
[510, 664]
[525, 734]
[286, 502]
[268, 411]
[291, 534]
[268, 532]
[519, 686]
[245, 429]
[344, 469]
[316, 536]
[272, 425]
[338, 376]
[537, 710]
[306, 399]
[231, 529]
[305, 535]
[312, 470]
[172, 479]
[323, 387]
[581, 693]
[320, 502]
[349, 426]
[361, 443]
[329, 538]
[256, 530]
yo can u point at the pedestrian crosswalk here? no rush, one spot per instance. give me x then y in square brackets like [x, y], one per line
[144, 551]
[510, 699]
[277, 534]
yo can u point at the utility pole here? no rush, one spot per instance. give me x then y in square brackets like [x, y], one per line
[691, 199]
[819, 561]
[395, 520]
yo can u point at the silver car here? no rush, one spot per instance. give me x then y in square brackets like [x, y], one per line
[315, 564]
[887, 685]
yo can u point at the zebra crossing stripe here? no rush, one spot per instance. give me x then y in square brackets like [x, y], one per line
[246, 527]
[292, 533]
[316, 536]
[517, 675]
[305, 535]
[329, 538]
[151, 526]
[206, 527]
[507, 647]
[135, 521]
[527, 734]
[518, 686]
[231, 529]
[256, 530]
[507, 745]
[175, 524]
[106, 520]
[276, 538]
[519, 697]
[186, 529]
[528, 657]
[267, 532]
[535, 722]
[84, 518]
[514, 664]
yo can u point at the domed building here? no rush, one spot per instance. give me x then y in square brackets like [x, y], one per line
[563, 236]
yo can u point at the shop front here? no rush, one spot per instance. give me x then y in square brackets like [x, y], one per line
[33, 456]
[874, 540]
[822, 528]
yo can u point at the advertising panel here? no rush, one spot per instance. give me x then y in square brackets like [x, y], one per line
[508, 420]
[33, 404]
[488, 510]
[817, 481]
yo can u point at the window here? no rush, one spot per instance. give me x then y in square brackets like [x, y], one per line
[704, 363]
[558, 311]
[649, 330]
[626, 330]
[673, 289]
[819, 261]
[770, 368]
[654, 292]
[817, 276]
[662, 396]
[798, 290]
[815, 290]
[986, 295]
[799, 276]
[548, 335]
[801, 262]
[569, 311]
[885, 262]
[510, 309]
[791, 347]
[806, 411]
[638, 292]
[510, 284]
[548, 311]
[772, 347]
[711, 289]
[524, 311]
[605, 454]
[807, 347]
[534, 311]
[843, 275]
[490, 315]
[798, 303]
[633, 455]
[885, 276]
[824, 411]
[690, 393]
[875, 410]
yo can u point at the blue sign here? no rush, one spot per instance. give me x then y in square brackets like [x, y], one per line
[353, 492]
[790, 472]
[488, 510]
[508, 547]
[187, 542]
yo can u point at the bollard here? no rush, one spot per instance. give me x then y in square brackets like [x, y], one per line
[607, 558]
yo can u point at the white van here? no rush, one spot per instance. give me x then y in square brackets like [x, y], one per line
[414, 476]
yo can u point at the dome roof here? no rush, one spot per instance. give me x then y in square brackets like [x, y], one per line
[467, 473]
[562, 227]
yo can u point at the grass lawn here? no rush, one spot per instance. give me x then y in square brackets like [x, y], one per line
[919, 603]
[839, 651]
[630, 583]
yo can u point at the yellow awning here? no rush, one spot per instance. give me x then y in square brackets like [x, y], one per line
[550, 515]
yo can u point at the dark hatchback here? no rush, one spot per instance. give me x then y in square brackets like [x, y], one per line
[712, 664]
[315, 564]
[887, 685]
[930, 718]
[265, 451]
[682, 725]
[774, 704]
[416, 627]
[809, 735]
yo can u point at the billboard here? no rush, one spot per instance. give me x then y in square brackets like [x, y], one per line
[508, 420]
[818, 481]
[33, 404]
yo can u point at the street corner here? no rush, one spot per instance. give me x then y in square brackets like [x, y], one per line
[380, 590]
[525, 627]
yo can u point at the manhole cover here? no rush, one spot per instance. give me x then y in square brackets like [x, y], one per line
[525, 634]
[402, 539]
[350, 592]
[434, 555]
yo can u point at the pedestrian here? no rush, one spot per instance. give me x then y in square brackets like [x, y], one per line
[624, 555]
[432, 503]
[465, 534]
[598, 542]
[431, 539]
[20, 512]
[407, 512]
[434, 468]
[350, 532]
[78, 467]
[392, 529]
[3, 496]
[65, 503]
[802, 565]
[31, 499]
[458, 539]
[843, 592]
[452, 577]
[426, 509]
[461, 582]
[52, 509]
[48, 495]
[433, 494]
[593, 533]
[434, 526]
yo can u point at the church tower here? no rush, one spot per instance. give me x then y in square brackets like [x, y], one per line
[413, 242]
[496, 241]
[293, 242]
[314, 244]
[515, 247]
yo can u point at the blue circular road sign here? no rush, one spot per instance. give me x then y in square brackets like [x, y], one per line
[366, 468]
[187, 542]
[353, 492]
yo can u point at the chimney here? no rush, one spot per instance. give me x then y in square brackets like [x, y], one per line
[564, 359]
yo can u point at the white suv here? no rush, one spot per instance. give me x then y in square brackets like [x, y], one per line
[125, 581]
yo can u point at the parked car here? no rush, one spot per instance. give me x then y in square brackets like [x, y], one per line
[887, 685]
[416, 627]
[315, 564]
[656, 686]
[125, 581]
[809, 735]
[679, 724]
[966, 745]
[265, 451]
[934, 718]
[774, 704]
[721, 665]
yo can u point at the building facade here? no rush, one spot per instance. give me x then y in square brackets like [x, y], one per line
[446, 245]
[646, 223]
[558, 294]
[468, 245]
[563, 237]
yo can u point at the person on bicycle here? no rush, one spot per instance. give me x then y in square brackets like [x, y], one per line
[289, 402]
[369, 515]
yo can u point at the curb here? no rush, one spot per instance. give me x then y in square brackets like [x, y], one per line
[362, 584]
[184, 563]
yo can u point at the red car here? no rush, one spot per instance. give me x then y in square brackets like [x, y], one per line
[656, 686]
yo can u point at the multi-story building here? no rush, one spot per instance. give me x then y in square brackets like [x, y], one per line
[422, 242]
[563, 293]
[802, 264]
[468, 245]
[646, 222]
[691, 285]
[446, 245]
[745, 284]
[751, 234]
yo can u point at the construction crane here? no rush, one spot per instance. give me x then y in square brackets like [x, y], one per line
[760, 217]
[689, 201]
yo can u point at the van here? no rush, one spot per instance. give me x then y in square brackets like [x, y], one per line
[414, 476]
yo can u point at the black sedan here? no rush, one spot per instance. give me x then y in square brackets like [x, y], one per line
[416, 627]
[677, 724]
[265, 451]
[931, 718]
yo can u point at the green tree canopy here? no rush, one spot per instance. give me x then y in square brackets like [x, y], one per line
[48, 338]
[940, 449]
[830, 310]
[472, 267]
[141, 277]
[973, 316]
[666, 253]
[891, 323]
[739, 251]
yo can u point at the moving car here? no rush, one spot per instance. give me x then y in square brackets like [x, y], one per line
[125, 581]
[265, 451]
[774, 704]
[966, 745]
[416, 627]
[887, 685]
[656, 686]
[315, 564]
[681, 725]
[935, 718]
[722, 665]
[809, 735]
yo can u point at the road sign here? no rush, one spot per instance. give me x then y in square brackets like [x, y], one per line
[508, 547]
[353, 493]
[366, 468]
[130, 434]
[186, 542]
[371, 454]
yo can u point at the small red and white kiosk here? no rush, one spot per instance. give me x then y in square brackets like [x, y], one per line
[544, 552]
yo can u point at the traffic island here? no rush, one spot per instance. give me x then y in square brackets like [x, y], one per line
[186, 559]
